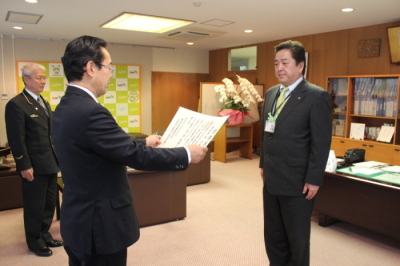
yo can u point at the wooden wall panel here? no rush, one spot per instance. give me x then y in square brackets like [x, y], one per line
[394, 69]
[331, 53]
[263, 60]
[329, 56]
[171, 90]
[218, 64]
[373, 65]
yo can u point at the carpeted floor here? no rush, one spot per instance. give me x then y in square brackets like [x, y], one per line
[223, 227]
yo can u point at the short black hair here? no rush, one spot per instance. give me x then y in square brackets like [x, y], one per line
[297, 50]
[80, 51]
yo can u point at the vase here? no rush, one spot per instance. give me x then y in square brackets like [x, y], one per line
[236, 117]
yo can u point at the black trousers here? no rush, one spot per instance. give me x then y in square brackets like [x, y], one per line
[287, 226]
[39, 198]
[77, 258]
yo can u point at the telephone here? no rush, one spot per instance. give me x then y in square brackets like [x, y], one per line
[354, 155]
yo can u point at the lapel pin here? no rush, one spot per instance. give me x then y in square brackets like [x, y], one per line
[299, 98]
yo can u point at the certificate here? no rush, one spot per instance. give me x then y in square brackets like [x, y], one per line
[189, 127]
[357, 131]
[386, 134]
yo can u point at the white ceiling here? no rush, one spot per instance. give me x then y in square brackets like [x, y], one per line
[269, 19]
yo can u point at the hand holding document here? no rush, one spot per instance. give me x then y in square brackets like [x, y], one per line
[189, 127]
[197, 153]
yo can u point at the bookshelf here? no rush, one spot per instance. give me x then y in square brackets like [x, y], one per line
[372, 101]
[245, 141]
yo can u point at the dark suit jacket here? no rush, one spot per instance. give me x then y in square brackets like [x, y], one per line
[29, 135]
[93, 152]
[297, 152]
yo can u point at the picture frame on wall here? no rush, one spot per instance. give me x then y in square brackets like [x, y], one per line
[394, 44]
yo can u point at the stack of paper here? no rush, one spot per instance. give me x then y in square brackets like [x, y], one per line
[393, 169]
[371, 164]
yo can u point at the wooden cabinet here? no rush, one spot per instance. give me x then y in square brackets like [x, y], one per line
[340, 145]
[396, 156]
[362, 202]
[245, 141]
[10, 189]
[378, 152]
[200, 172]
[372, 101]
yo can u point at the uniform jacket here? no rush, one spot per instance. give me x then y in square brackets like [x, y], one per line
[93, 152]
[29, 134]
[297, 152]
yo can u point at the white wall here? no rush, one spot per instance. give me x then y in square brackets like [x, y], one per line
[151, 59]
[180, 60]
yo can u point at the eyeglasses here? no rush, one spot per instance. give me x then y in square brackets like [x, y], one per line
[111, 68]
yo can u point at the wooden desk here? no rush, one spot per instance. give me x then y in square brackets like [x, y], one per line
[369, 204]
[245, 141]
[10, 189]
[199, 173]
[158, 197]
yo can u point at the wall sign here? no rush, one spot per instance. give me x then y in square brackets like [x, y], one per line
[122, 99]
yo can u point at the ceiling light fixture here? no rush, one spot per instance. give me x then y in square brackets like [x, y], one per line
[17, 27]
[146, 23]
[347, 9]
[248, 31]
[190, 43]
[31, 1]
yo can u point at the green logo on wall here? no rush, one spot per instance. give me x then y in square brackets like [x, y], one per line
[133, 96]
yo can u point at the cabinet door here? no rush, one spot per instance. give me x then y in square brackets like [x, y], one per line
[337, 145]
[340, 145]
[374, 104]
[338, 89]
[396, 156]
[378, 152]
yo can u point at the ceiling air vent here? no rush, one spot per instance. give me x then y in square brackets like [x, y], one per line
[190, 34]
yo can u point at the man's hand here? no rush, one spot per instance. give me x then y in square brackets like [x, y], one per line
[27, 174]
[153, 141]
[311, 190]
[197, 153]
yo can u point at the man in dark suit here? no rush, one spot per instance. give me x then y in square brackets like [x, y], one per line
[98, 221]
[28, 125]
[295, 145]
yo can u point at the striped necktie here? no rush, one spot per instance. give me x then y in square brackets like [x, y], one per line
[281, 100]
[39, 99]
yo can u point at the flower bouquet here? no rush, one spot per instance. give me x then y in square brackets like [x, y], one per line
[237, 99]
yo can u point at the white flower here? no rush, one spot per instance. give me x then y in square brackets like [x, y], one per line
[231, 94]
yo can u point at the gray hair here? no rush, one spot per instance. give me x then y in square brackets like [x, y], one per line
[29, 68]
